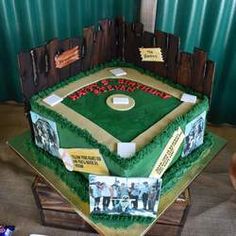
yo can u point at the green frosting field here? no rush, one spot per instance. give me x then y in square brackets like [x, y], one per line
[143, 161]
[124, 125]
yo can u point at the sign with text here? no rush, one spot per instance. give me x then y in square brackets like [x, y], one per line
[168, 153]
[84, 160]
[151, 54]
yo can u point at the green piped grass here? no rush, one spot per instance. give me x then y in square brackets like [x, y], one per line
[120, 221]
[76, 181]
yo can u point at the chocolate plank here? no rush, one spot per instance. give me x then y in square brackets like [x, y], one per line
[88, 44]
[209, 78]
[172, 56]
[184, 74]
[161, 40]
[198, 69]
[75, 67]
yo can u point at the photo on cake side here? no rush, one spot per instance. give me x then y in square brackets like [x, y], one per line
[124, 196]
[45, 134]
[194, 134]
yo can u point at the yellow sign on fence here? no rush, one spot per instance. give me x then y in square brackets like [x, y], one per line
[151, 54]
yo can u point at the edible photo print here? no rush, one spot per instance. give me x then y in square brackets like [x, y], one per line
[194, 134]
[45, 134]
[128, 196]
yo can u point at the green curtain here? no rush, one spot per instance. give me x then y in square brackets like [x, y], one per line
[210, 25]
[25, 24]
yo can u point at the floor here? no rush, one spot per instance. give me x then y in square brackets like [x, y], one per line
[213, 210]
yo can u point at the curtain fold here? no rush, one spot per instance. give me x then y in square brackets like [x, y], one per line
[25, 24]
[210, 25]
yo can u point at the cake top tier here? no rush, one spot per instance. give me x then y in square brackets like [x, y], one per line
[85, 102]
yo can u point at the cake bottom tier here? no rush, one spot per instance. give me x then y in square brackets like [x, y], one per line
[55, 211]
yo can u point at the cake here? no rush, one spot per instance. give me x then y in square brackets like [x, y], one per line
[100, 110]
[117, 119]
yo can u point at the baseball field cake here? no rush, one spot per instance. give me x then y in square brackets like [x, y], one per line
[122, 120]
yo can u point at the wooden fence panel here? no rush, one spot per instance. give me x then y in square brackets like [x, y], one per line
[161, 40]
[39, 68]
[208, 78]
[105, 41]
[52, 49]
[148, 42]
[98, 50]
[75, 67]
[133, 41]
[198, 69]
[172, 57]
[26, 75]
[64, 72]
[112, 41]
[138, 31]
[120, 36]
[88, 45]
[129, 44]
[184, 72]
